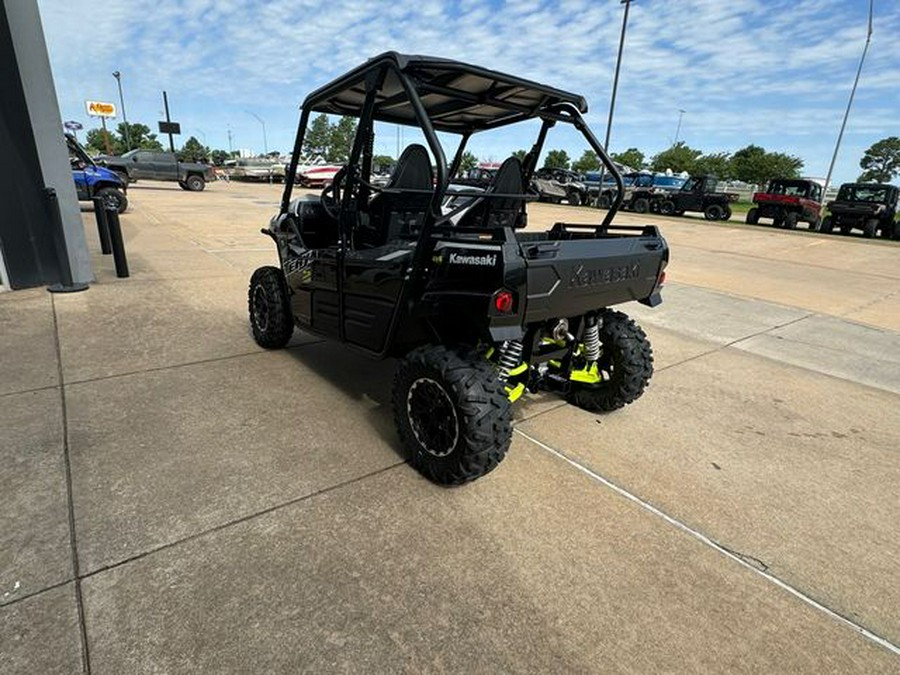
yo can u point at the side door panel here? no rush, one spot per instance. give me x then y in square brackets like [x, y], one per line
[372, 282]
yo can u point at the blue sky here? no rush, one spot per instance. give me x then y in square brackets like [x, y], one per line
[776, 73]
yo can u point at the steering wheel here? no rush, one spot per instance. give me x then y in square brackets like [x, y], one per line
[331, 195]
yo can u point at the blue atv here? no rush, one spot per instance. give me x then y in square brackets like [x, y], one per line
[92, 181]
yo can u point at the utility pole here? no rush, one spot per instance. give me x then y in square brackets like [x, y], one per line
[678, 129]
[265, 142]
[612, 100]
[230, 149]
[118, 77]
[837, 145]
[168, 121]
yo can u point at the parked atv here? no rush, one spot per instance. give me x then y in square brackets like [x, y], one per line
[478, 310]
[697, 194]
[555, 185]
[92, 181]
[788, 201]
[870, 207]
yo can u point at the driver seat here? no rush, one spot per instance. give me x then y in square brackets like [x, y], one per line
[395, 214]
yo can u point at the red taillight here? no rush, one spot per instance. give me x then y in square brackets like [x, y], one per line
[503, 301]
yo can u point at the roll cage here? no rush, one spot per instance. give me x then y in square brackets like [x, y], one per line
[436, 95]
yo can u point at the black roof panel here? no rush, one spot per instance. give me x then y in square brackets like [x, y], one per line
[456, 96]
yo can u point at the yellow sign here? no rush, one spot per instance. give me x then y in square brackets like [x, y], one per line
[100, 109]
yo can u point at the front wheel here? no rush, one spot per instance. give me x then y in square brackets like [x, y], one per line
[270, 308]
[626, 363]
[726, 213]
[113, 197]
[641, 205]
[574, 198]
[195, 183]
[667, 208]
[603, 202]
[869, 228]
[452, 414]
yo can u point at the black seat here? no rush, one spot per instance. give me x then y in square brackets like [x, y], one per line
[501, 211]
[395, 214]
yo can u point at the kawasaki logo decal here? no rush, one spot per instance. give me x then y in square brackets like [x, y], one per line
[488, 260]
[608, 275]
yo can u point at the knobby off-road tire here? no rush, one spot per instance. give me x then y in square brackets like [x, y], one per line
[667, 208]
[452, 414]
[627, 357]
[195, 183]
[726, 213]
[604, 202]
[115, 197]
[827, 225]
[641, 205]
[752, 216]
[270, 308]
[574, 198]
[869, 228]
[713, 212]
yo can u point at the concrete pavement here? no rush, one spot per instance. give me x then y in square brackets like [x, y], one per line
[175, 499]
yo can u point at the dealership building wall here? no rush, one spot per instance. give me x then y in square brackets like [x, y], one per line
[37, 246]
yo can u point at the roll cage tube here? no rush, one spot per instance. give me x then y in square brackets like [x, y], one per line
[295, 157]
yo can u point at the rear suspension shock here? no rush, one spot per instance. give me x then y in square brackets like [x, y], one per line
[591, 338]
[509, 358]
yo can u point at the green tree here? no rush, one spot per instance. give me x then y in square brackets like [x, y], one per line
[881, 162]
[587, 162]
[754, 165]
[318, 137]
[717, 164]
[520, 155]
[218, 157]
[680, 157]
[631, 157]
[341, 140]
[139, 135]
[557, 159]
[193, 151]
[382, 163]
[100, 142]
[467, 161]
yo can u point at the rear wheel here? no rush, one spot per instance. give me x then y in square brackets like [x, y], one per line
[752, 216]
[452, 414]
[790, 221]
[713, 212]
[641, 205]
[195, 183]
[603, 202]
[626, 361]
[574, 198]
[113, 197]
[827, 225]
[869, 228]
[270, 308]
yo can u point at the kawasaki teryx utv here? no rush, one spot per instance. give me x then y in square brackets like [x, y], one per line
[446, 278]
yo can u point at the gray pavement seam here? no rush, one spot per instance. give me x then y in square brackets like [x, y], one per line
[29, 391]
[242, 519]
[70, 502]
[742, 559]
[173, 366]
[40, 591]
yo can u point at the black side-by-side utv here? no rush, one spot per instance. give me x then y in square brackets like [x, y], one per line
[447, 278]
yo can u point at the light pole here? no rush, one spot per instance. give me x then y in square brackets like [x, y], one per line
[678, 128]
[265, 142]
[837, 145]
[612, 100]
[118, 77]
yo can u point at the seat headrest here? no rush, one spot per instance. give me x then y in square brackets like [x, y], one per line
[413, 170]
[509, 178]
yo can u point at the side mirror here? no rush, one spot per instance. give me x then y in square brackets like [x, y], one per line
[134, 159]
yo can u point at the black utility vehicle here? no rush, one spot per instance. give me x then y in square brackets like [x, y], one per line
[697, 194]
[445, 278]
[642, 191]
[554, 185]
[788, 201]
[869, 207]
